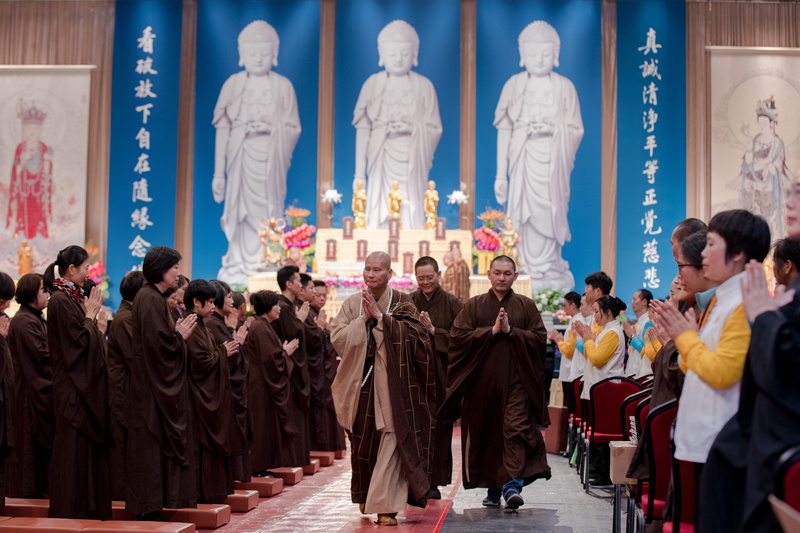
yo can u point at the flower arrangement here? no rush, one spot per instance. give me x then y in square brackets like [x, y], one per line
[491, 217]
[549, 299]
[561, 316]
[486, 239]
[401, 283]
[97, 271]
[300, 237]
[297, 216]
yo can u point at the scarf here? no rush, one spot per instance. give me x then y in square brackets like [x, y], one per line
[70, 289]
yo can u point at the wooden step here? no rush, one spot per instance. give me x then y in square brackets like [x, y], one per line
[118, 512]
[113, 526]
[291, 475]
[267, 487]
[27, 507]
[30, 524]
[339, 454]
[206, 516]
[242, 500]
[311, 468]
[325, 458]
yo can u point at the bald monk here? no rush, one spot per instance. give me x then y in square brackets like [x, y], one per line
[495, 382]
[384, 393]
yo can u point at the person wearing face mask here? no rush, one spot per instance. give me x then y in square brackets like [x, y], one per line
[79, 475]
[258, 126]
[27, 469]
[437, 311]
[397, 129]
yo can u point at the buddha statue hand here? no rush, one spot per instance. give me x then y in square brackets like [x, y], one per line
[218, 187]
[501, 189]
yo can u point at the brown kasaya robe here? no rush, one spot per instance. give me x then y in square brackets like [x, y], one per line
[500, 379]
[240, 434]
[79, 473]
[120, 355]
[386, 362]
[335, 432]
[7, 397]
[212, 410]
[289, 327]
[443, 308]
[160, 466]
[456, 280]
[315, 358]
[269, 394]
[27, 469]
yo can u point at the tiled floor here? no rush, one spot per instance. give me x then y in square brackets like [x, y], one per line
[321, 503]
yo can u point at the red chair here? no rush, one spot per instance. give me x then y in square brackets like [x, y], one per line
[571, 397]
[683, 485]
[627, 413]
[642, 410]
[605, 399]
[787, 478]
[643, 379]
[659, 453]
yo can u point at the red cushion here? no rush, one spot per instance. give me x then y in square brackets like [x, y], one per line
[658, 506]
[791, 486]
[684, 528]
[601, 438]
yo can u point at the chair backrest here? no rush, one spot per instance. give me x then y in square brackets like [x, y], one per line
[657, 430]
[648, 383]
[642, 409]
[569, 396]
[644, 378]
[605, 400]
[577, 388]
[787, 477]
[627, 413]
[683, 484]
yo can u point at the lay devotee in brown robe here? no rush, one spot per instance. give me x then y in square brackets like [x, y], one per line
[79, 473]
[315, 358]
[269, 387]
[334, 432]
[497, 352]
[212, 401]
[7, 384]
[289, 326]
[120, 355]
[27, 469]
[221, 327]
[456, 277]
[160, 464]
[437, 311]
[385, 394]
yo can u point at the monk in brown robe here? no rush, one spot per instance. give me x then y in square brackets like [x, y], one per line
[289, 326]
[269, 387]
[334, 432]
[120, 355]
[7, 392]
[221, 327]
[385, 394]
[210, 388]
[27, 469]
[437, 311]
[79, 473]
[456, 277]
[497, 352]
[160, 464]
[315, 361]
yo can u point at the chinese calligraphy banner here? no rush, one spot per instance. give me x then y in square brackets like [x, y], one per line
[44, 120]
[144, 132]
[387, 131]
[538, 132]
[255, 127]
[651, 153]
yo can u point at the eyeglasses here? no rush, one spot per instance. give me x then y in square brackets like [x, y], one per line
[682, 265]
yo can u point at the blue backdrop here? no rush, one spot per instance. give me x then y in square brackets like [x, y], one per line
[578, 25]
[358, 23]
[651, 189]
[218, 26]
[144, 143]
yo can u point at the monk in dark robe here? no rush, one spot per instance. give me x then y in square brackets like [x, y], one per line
[289, 326]
[437, 311]
[27, 469]
[738, 475]
[334, 440]
[385, 394]
[79, 473]
[212, 401]
[497, 352]
[160, 466]
[456, 277]
[315, 361]
[120, 355]
[269, 387]
[221, 328]
[7, 393]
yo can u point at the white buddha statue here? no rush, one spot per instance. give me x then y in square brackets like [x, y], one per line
[397, 129]
[539, 129]
[257, 129]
